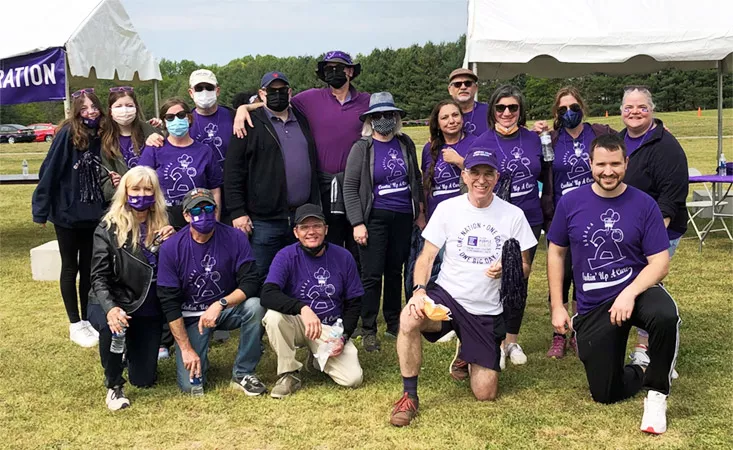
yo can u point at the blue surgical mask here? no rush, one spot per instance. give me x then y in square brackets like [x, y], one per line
[177, 127]
[571, 119]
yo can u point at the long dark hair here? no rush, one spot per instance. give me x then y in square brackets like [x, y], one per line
[567, 90]
[79, 132]
[437, 141]
[507, 90]
[111, 131]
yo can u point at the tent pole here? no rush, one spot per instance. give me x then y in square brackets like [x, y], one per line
[67, 82]
[720, 111]
[474, 69]
[157, 100]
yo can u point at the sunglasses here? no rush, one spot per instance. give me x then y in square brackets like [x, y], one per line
[204, 87]
[280, 90]
[197, 210]
[467, 83]
[179, 114]
[334, 68]
[512, 108]
[121, 89]
[386, 115]
[81, 92]
[563, 109]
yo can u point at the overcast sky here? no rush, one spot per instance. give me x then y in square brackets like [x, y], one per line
[217, 31]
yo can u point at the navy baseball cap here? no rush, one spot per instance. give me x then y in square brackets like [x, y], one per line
[478, 156]
[274, 76]
[308, 210]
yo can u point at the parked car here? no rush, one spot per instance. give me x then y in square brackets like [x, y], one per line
[44, 131]
[12, 133]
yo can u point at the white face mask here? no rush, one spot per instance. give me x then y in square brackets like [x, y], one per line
[124, 115]
[204, 99]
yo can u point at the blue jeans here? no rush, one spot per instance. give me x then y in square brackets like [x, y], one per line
[268, 238]
[247, 316]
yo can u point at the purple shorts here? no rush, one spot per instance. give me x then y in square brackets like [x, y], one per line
[480, 336]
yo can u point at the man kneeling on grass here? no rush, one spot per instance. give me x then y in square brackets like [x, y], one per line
[473, 227]
[207, 281]
[312, 284]
[618, 243]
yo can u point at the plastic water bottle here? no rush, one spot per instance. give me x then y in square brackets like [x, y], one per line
[24, 166]
[721, 165]
[548, 154]
[197, 389]
[325, 349]
[337, 332]
[118, 342]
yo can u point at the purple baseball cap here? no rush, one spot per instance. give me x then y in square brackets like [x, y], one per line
[273, 76]
[478, 156]
[337, 56]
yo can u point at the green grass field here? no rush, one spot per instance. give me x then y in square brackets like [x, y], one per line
[52, 394]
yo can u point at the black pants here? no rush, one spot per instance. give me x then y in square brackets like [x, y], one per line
[340, 231]
[602, 347]
[75, 248]
[141, 340]
[387, 249]
[513, 316]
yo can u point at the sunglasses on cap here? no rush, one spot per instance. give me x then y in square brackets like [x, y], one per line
[467, 83]
[197, 210]
[204, 87]
[563, 109]
[80, 92]
[121, 89]
[386, 115]
[636, 87]
[179, 114]
[512, 108]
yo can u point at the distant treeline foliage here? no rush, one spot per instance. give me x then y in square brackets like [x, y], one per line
[416, 76]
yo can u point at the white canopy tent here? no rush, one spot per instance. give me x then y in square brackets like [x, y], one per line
[95, 33]
[581, 37]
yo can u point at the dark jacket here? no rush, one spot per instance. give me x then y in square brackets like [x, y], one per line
[254, 171]
[118, 164]
[659, 168]
[359, 179]
[57, 196]
[120, 276]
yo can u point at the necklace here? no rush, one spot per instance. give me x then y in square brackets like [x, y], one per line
[499, 144]
[576, 142]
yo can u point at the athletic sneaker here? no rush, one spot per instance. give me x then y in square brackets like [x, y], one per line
[458, 368]
[392, 334]
[249, 384]
[654, 420]
[502, 358]
[220, 336]
[116, 399]
[163, 353]
[286, 385]
[404, 411]
[449, 336]
[371, 343]
[91, 328]
[516, 354]
[639, 357]
[557, 349]
[81, 335]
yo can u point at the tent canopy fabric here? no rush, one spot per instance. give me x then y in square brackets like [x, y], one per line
[589, 36]
[95, 33]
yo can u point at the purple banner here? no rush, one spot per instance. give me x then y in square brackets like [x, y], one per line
[38, 77]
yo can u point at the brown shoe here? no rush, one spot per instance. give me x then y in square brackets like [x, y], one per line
[458, 368]
[404, 411]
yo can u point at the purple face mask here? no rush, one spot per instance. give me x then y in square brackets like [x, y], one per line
[91, 123]
[204, 222]
[140, 202]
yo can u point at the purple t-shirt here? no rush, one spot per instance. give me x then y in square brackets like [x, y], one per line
[335, 127]
[391, 184]
[322, 283]
[181, 169]
[609, 239]
[633, 143]
[214, 130]
[446, 182]
[519, 158]
[204, 272]
[571, 168]
[476, 122]
[128, 152]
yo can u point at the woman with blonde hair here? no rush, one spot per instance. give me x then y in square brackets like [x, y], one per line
[124, 272]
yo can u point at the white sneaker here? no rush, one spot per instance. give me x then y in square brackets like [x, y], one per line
[163, 353]
[502, 358]
[675, 375]
[516, 354]
[80, 335]
[448, 337]
[654, 420]
[639, 357]
[91, 328]
[116, 399]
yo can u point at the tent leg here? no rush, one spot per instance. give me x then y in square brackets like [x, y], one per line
[474, 69]
[157, 99]
[720, 112]
[67, 82]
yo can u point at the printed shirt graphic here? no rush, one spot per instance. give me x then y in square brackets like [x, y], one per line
[214, 130]
[476, 123]
[128, 152]
[473, 239]
[446, 181]
[205, 272]
[322, 283]
[391, 184]
[181, 169]
[571, 168]
[519, 158]
[609, 239]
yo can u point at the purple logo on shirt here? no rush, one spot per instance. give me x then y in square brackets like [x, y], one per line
[605, 240]
[473, 241]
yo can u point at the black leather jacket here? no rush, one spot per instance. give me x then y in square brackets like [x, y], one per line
[120, 276]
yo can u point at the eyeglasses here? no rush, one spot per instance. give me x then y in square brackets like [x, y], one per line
[204, 86]
[179, 114]
[379, 115]
[81, 92]
[197, 210]
[467, 83]
[121, 89]
[563, 109]
[315, 227]
[512, 108]
[475, 174]
[280, 90]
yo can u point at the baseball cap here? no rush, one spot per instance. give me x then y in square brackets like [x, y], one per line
[272, 76]
[196, 196]
[202, 76]
[463, 72]
[308, 210]
[478, 156]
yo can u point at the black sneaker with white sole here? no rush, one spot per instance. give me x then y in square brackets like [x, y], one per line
[250, 385]
[116, 399]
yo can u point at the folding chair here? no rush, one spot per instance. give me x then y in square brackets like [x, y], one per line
[701, 205]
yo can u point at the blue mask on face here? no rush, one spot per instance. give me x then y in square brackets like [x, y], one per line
[177, 127]
[204, 223]
[571, 119]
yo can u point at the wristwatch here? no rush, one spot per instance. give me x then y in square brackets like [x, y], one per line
[419, 286]
[224, 303]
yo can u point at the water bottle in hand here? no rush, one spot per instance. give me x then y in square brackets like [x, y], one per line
[548, 154]
[197, 388]
[325, 349]
[118, 342]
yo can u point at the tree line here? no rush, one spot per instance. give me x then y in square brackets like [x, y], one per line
[416, 76]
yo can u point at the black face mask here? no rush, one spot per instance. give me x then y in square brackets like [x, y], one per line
[335, 78]
[278, 101]
[313, 251]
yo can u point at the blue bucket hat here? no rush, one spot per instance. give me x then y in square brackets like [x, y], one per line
[337, 56]
[381, 102]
